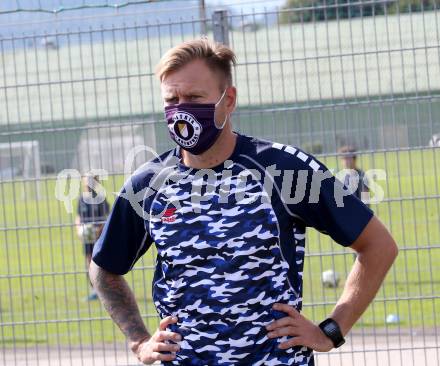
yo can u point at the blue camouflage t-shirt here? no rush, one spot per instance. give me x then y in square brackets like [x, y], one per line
[230, 243]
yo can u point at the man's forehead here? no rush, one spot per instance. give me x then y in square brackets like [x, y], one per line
[195, 76]
[173, 89]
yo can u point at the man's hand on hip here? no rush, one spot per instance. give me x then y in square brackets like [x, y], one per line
[305, 332]
[150, 349]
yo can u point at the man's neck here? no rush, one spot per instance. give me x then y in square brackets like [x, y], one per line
[216, 154]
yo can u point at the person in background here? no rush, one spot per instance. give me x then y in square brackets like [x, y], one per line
[353, 178]
[92, 212]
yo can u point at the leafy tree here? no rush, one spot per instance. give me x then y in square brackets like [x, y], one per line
[411, 6]
[318, 10]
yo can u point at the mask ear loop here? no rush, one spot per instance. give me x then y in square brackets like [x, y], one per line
[223, 124]
[227, 115]
[223, 94]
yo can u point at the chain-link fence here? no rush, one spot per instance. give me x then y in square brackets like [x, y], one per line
[363, 74]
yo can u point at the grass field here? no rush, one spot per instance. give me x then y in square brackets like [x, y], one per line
[42, 272]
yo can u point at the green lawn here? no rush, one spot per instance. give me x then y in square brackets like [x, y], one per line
[42, 272]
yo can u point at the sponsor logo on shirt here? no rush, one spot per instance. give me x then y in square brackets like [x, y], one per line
[169, 215]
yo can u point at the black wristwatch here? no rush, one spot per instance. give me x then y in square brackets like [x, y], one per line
[331, 329]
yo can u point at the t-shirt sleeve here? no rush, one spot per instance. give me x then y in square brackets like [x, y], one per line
[124, 238]
[327, 205]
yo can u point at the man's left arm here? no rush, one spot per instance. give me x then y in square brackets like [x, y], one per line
[376, 253]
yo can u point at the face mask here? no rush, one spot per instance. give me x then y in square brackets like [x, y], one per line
[192, 125]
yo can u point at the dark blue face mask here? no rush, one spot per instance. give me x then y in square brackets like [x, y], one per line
[192, 125]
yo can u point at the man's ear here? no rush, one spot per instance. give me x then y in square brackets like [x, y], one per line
[231, 98]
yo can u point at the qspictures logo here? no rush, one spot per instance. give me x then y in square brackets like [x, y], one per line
[289, 185]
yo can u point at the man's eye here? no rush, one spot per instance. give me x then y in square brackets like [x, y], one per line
[194, 97]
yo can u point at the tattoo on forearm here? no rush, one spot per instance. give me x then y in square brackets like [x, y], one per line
[119, 301]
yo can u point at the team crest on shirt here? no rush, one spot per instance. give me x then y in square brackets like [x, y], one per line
[169, 215]
[186, 129]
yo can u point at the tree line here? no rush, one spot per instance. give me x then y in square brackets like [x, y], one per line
[319, 10]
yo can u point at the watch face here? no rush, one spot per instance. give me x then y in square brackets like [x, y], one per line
[331, 329]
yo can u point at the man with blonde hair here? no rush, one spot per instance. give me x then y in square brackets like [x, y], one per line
[230, 238]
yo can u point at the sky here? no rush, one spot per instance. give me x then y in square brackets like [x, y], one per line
[160, 11]
[248, 5]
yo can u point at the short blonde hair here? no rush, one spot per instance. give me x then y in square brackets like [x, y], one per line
[218, 57]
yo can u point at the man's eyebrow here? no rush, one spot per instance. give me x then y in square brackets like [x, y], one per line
[169, 95]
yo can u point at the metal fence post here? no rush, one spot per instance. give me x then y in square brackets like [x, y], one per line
[221, 26]
[202, 16]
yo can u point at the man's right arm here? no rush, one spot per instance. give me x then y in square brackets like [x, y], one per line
[78, 226]
[120, 303]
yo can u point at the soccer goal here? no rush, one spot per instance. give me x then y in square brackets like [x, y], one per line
[20, 162]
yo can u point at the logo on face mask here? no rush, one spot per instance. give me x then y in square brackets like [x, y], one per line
[193, 125]
[186, 129]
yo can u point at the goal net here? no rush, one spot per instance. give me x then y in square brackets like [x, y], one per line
[20, 162]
